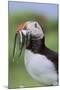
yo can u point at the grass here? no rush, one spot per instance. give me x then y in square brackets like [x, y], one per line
[18, 76]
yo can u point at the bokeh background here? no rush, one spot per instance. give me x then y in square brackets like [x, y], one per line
[47, 17]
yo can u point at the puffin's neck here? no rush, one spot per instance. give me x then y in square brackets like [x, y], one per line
[36, 45]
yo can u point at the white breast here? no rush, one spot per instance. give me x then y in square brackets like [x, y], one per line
[40, 68]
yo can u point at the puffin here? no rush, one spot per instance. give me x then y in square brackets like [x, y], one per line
[41, 63]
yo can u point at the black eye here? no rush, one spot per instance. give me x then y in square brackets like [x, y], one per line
[36, 25]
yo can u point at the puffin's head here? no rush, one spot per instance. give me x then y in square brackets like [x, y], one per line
[34, 29]
[31, 27]
[28, 30]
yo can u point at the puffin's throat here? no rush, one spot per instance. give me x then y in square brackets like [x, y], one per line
[36, 45]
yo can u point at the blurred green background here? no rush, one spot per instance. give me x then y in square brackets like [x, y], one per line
[18, 76]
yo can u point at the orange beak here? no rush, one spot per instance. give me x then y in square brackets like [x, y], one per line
[21, 26]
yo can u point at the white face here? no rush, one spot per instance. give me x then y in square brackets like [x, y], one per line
[35, 29]
[32, 28]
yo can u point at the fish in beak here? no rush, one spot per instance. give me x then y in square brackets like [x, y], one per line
[22, 35]
[25, 32]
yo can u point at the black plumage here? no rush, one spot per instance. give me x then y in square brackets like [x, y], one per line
[38, 46]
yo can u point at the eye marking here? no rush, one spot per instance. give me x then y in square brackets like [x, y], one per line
[35, 25]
